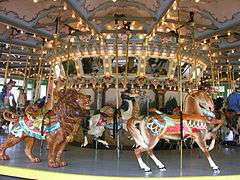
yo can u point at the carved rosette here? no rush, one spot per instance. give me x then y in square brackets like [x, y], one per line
[155, 83]
[108, 80]
[141, 81]
[93, 81]
[124, 82]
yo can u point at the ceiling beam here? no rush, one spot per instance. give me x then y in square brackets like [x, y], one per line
[223, 27]
[165, 5]
[23, 25]
[123, 4]
[184, 23]
[225, 45]
[19, 52]
[126, 18]
[229, 57]
[82, 13]
[17, 42]
[124, 31]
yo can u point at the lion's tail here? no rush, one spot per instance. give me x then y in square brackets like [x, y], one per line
[10, 116]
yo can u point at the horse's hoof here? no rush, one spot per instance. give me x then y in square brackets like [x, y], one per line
[162, 168]
[216, 171]
[147, 170]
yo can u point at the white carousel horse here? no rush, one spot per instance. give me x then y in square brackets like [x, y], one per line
[99, 122]
[97, 125]
[160, 126]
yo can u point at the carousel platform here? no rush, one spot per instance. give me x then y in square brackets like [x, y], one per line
[106, 163]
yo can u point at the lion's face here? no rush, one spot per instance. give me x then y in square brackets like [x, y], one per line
[84, 101]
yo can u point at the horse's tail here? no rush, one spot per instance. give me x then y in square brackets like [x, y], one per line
[10, 116]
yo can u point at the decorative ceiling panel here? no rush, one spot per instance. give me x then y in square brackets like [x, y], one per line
[221, 10]
[90, 5]
[25, 9]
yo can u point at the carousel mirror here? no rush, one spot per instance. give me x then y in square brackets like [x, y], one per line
[92, 65]
[132, 65]
[186, 70]
[157, 67]
[69, 67]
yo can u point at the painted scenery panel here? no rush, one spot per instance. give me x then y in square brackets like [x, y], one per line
[186, 70]
[69, 67]
[157, 67]
[132, 65]
[92, 65]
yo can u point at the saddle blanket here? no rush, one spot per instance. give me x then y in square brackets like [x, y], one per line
[26, 125]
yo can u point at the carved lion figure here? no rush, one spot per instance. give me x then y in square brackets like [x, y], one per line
[57, 127]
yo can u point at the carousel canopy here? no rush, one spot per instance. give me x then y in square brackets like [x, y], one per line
[71, 34]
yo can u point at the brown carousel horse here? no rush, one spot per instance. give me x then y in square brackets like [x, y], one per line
[60, 124]
[161, 126]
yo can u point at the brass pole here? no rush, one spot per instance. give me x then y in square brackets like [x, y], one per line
[180, 94]
[126, 69]
[39, 77]
[233, 79]
[25, 74]
[68, 59]
[8, 57]
[117, 93]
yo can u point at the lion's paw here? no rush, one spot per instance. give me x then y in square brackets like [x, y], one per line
[4, 157]
[35, 160]
[53, 165]
[62, 163]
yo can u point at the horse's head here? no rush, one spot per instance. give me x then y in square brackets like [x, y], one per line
[203, 101]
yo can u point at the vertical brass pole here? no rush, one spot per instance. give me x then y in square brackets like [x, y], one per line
[8, 57]
[180, 96]
[117, 93]
[68, 59]
[126, 69]
[25, 74]
[39, 76]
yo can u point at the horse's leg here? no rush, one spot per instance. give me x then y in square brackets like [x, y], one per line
[9, 142]
[85, 141]
[28, 149]
[211, 136]
[142, 165]
[159, 164]
[201, 143]
[105, 143]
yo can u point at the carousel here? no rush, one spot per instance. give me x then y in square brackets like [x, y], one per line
[90, 90]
